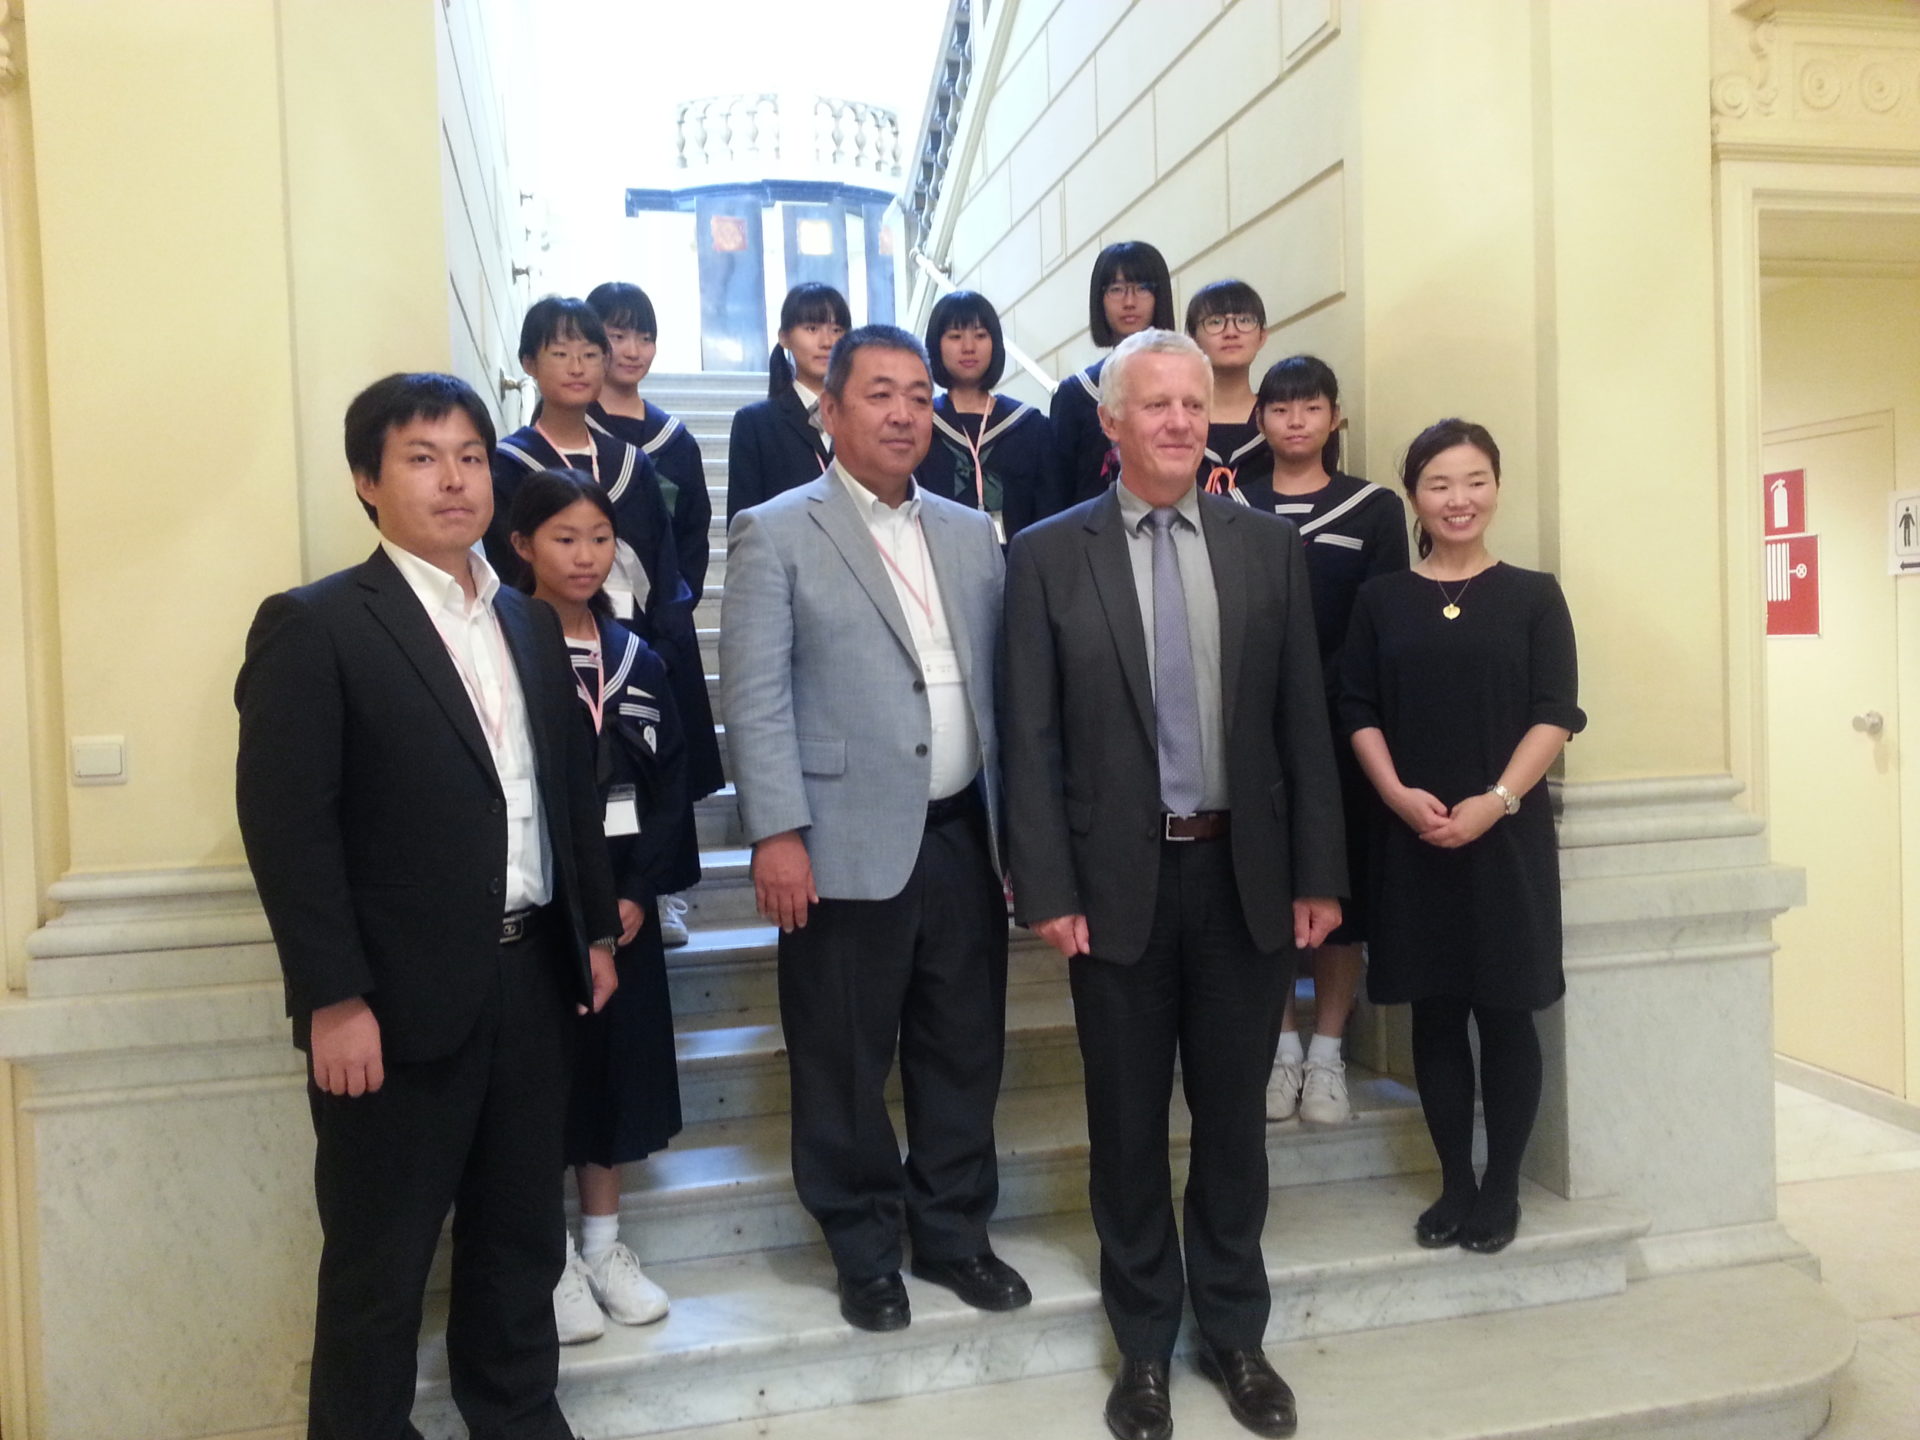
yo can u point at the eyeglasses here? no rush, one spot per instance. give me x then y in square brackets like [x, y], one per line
[1219, 324]
[1129, 290]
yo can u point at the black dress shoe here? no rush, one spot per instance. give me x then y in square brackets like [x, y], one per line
[876, 1304]
[1257, 1396]
[1486, 1234]
[984, 1281]
[1439, 1224]
[1138, 1406]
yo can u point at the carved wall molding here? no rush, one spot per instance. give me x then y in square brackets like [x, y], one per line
[1816, 79]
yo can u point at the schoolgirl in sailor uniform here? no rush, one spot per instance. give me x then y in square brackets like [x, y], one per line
[1353, 531]
[777, 443]
[625, 1098]
[1227, 320]
[632, 334]
[563, 348]
[989, 451]
[1131, 291]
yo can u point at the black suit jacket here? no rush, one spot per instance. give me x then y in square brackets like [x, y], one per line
[772, 449]
[372, 814]
[1078, 744]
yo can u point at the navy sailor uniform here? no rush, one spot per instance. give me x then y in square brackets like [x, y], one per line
[1085, 453]
[683, 480]
[773, 447]
[1016, 452]
[1237, 459]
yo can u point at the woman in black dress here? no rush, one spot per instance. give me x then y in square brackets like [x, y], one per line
[1227, 320]
[777, 443]
[1131, 292]
[625, 1101]
[1459, 691]
[989, 451]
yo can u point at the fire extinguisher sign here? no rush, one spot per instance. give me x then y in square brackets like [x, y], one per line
[1784, 494]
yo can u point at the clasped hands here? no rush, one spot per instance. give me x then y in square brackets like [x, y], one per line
[1435, 824]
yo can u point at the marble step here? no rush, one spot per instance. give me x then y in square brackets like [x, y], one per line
[726, 1188]
[758, 1335]
[725, 891]
[716, 819]
[1742, 1354]
[726, 969]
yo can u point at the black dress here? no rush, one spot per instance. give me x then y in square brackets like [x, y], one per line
[1353, 531]
[1453, 699]
[625, 1101]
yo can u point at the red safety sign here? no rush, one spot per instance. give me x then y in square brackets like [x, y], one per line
[1784, 496]
[1793, 585]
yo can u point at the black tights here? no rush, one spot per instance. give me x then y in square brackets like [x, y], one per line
[1509, 1092]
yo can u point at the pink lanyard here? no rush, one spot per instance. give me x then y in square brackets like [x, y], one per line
[926, 608]
[496, 725]
[596, 703]
[973, 447]
[592, 452]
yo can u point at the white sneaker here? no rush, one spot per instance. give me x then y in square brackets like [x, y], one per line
[673, 921]
[1283, 1090]
[1323, 1094]
[623, 1290]
[576, 1315]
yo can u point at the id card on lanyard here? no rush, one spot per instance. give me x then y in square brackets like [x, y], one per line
[980, 475]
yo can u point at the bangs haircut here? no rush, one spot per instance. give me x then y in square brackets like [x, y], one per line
[815, 304]
[543, 495]
[1298, 377]
[560, 317]
[621, 306]
[1125, 261]
[386, 405]
[1224, 297]
[963, 309]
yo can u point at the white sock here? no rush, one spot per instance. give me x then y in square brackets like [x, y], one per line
[1289, 1052]
[1324, 1050]
[598, 1234]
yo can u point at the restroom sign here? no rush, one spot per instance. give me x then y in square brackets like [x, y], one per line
[1793, 585]
[1784, 496]
[1903, 532]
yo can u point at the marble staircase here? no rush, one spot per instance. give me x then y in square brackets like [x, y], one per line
[755, 1339]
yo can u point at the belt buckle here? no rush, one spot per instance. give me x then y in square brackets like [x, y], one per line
[513, 928]
[1166, 829]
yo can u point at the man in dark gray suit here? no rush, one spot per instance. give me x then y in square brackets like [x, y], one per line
[859, 636]
[1175, 830]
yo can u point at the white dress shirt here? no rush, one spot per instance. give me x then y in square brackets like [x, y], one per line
[903, 552]
[478, 648]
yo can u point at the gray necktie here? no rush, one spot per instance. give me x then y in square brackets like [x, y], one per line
[1176, 698]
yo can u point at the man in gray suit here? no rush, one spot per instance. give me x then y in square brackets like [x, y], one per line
[1175, 828]
[859, 638]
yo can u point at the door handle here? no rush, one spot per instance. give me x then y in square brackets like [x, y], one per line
[1871, 723]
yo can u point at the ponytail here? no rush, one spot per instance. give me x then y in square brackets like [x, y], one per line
[779, 372]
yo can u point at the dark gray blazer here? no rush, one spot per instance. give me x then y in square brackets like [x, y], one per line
[1078, 748]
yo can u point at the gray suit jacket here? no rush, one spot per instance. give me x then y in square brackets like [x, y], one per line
[1082, 767]
[828, 726]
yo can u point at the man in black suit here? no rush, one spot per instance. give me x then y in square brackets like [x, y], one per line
[1175, 829]
[417, 799]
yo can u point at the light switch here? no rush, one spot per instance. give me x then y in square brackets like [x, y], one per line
[99, 760]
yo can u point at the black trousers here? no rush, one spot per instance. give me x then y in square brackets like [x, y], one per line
[926, 969]
[1204, 993]
[480, 1131]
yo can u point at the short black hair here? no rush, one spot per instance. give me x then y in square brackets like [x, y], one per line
[560, 317]
[1224, 297]
[621, 306]
[399, 400]
[1298, 377]
[1132, 261]
[1438, 437]
[962, 309]
[869, 337]
[543, 495]
[810, 304]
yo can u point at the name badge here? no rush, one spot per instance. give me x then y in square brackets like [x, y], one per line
[519, 795]
[623, 811]
[622, 599]
[940, 668]
[999, 526]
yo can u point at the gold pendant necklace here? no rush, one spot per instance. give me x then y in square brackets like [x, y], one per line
[1451, 610]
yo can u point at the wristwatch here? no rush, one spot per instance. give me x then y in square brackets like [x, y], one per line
[1507, 798]
[612, 942]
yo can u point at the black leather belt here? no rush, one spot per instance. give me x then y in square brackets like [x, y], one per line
[952, 807]
[1201, 825]
[516, 925]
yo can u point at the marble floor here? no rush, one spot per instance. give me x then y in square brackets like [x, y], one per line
[1850, 1192]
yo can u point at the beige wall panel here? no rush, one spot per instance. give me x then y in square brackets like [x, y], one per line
[1114, 173]
[1233, 62]
[170, 396]
[1143, 45]
[1018, 100]
[1304, 21]
[1055, 310]
[1029, 20]
[1060, 137]
[1076, 30]
[1013, 265]
[1295, 256]
[1296, 131]
[982, 222]
[1184, 215]
[1052, 217]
